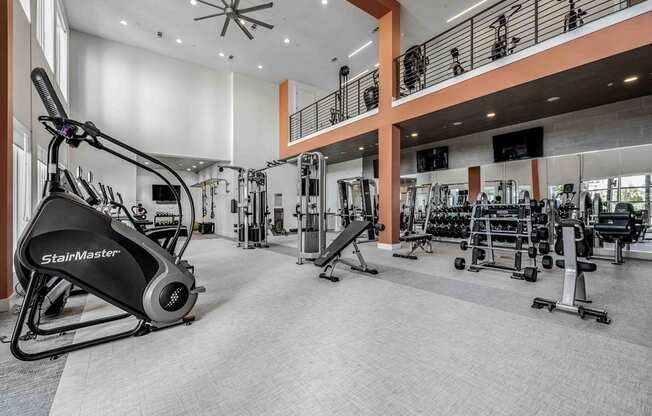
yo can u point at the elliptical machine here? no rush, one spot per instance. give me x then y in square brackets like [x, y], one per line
[574, 18]
[502, 46]
[66, 237]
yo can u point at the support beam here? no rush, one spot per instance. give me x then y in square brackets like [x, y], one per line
[475, 185]
[389, 48]
[6, 148]
[536, 188]
[376, 8]
[389, 161]
[283, 117]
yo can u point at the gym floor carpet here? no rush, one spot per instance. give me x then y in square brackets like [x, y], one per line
[420, 338]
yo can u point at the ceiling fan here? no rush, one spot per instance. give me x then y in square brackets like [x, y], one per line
[232, 12]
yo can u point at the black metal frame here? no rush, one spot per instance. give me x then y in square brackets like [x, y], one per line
[535, 22]
[320, 115]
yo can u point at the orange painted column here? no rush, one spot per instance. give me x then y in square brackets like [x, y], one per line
[6, 148]
[283, 117]
[475, 185]
[389, 135]
[536, 188]
[389, 176]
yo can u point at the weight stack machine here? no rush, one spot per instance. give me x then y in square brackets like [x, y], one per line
[311, 206]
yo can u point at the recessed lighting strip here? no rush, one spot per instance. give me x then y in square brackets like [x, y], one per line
[352, 54]
[463, 12]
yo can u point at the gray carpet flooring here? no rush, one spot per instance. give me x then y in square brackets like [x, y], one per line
[421, 338]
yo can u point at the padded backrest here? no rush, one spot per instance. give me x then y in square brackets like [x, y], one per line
[583, 246]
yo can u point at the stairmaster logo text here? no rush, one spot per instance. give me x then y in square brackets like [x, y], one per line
[78, 256]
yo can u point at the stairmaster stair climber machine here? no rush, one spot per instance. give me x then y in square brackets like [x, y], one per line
[67, 237]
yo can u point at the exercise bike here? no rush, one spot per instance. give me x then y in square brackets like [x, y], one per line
[70, 239]
[574, 18]
[502, 46]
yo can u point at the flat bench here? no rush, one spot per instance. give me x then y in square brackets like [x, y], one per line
[417, 241]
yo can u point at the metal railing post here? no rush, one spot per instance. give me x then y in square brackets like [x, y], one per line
[358, 96]
[472, 33]
[300, 124]
[316, 116]
[536, 22]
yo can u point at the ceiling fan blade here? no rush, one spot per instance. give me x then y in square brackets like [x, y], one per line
[225, 3]
[244, 29]
[256, 22]
[236, 3]
[210, 4]
[197, 19]
[256, 8]
[226, 26]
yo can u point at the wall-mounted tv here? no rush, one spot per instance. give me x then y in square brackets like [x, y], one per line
[163, 193]
[432, 159]
[524, 144]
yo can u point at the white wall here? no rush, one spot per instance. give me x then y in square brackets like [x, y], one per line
[144, 182]
[155, 103]
[302, 95]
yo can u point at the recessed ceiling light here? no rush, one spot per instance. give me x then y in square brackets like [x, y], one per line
[352, 54]
[201, 162]
[553, 99]
[324, 2]
[180, 164]
[286, 40]
[179, 41]
[360, 148]
[123, 22]
[194, 166]
[325, 157]
[611, 84]
[631, 79]
[415, 134]
[466, 11]
[260, 67]
[188, 169]
[457, 123]
[491, 115]
[193, 2]
[147, 163]
[221, 54]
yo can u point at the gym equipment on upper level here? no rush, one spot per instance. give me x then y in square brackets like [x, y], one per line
[311, 206]
[574, 18]
[576, 243]
[502, 45]
[456, 66]
[370, 94]
[68, 238]
[415, 63]
[340, 112]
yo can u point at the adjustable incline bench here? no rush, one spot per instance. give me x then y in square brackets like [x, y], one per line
[333, 253]
[417, 241]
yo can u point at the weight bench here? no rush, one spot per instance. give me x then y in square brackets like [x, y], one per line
[618, 228]
[333, 253]
[417, 241]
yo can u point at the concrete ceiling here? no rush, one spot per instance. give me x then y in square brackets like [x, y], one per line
[317, 33]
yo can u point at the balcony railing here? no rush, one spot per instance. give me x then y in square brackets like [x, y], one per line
[356, 97]
[505, 28]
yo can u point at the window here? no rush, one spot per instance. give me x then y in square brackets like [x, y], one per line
[22, 158]
[635, 189]
[62, 53]
[45, 28]
[27, 9]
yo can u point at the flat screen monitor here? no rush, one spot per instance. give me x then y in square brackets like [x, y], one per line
[163, 193]
[432, 159]
[518, 145]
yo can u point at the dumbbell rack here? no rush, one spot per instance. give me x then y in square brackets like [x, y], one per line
[483, 239]
[166, 219]
[457, 217]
